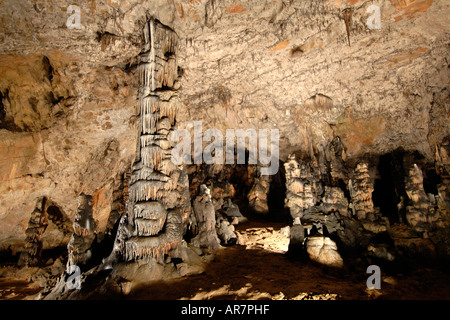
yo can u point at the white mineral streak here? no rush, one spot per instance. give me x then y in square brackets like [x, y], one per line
[152, 54]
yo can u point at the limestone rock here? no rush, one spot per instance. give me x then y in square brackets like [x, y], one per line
[324, 251]
[225, 230]
[205, 219]
[232, 211]
[302, 186]
[419, 214]
[79, 106]
[257, 197]
[381, 252]
[335, 200]
[361, 189]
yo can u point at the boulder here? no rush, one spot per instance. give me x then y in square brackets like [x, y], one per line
[323, 250]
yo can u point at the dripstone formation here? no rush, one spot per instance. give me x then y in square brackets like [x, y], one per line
[346, 210]
[158, 203]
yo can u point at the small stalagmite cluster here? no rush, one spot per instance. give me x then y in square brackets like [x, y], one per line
[347, 211]
[79, 246]
[46, 215]
[36, 227]
[361, 191]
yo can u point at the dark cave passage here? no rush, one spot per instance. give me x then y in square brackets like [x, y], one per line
[389, 188]
[277, 194]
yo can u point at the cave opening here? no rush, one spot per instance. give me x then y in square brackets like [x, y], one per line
[259, 200]
[54, 213]
[431, 180]
[276, 197]
[245, 180]
[62, 223]
[389, 187]
[2, 107]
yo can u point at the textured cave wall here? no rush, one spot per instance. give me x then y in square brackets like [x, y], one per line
[69, 96]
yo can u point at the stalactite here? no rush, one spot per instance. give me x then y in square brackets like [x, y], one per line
[148, 174]
[146, 227]
[146, 191]
[148, 140]
[169, 110]
[149, 210]
[154, 246]
[146, 34]
[149, 105]
[151, 156]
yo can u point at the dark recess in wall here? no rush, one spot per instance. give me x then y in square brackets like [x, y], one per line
[389, 188]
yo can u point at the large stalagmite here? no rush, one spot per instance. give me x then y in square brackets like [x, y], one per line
[158, 207]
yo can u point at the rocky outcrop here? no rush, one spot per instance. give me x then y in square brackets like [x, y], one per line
[323, 250]
[258, 195]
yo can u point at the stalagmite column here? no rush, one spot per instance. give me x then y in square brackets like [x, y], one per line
[36, 226]
[419, 213]
[158, 204]
[80, 243]
[361, 188]
[302, 186]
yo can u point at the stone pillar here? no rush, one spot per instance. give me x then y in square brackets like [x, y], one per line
[36, 227]
[361, 188]
[418, 211]
[159, 202]
[79, 247]
[301, 187]
[205, 221]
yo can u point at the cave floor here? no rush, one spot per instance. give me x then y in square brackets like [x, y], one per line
[261, 269]
[12, 289]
